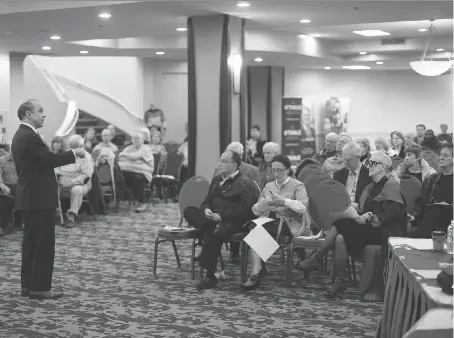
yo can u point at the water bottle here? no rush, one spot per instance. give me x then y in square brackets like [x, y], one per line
[449, 242]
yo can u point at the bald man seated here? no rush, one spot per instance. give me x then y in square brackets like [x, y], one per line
[329, 150]
[246, 169]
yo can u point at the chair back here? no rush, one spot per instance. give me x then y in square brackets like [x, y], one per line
[171, 146]
[104, 174]
[314, 181]
[308, 171]
[330, 197]
[156, 162]
[304, 163]
[411, 189]
[193, 192]
[396, 161]
[173, 165]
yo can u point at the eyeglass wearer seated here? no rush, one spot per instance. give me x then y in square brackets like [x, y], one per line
[75, 179]
[383, 214]
[285, 200]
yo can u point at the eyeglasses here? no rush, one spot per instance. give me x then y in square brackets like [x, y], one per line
[369, 163]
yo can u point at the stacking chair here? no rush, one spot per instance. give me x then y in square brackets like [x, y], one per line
[411, 189]
[106, 180]
[396, 161]
[148, 190]
[329, 197]
[171, 147]
[192, 193]
[308, 171]
[311, 183]
[171, 172]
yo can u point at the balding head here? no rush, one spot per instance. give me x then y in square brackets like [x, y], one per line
[76, 141]
[237, 147]
[343, 140]
[331, 140]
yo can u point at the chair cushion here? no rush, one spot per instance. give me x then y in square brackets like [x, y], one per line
[307, 243]
[184, 233]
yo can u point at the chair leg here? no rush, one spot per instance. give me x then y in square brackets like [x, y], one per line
[221, 261]
[193, 259]
[282, 255]
[176, 253]
[348, 270]
[244, 260]
[289, 264]
[155, 258]
[355, 280]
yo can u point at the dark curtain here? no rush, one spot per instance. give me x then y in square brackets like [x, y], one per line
[192, 100]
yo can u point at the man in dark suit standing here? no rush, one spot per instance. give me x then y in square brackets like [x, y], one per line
[354, 176]
[36, 199]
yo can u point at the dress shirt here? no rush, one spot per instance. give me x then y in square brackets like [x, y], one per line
[352, 182]
[225, 178]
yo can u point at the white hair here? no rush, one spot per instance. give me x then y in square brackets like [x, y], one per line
[352, 146]
[271, 146]
[237, 147]
[76, 140]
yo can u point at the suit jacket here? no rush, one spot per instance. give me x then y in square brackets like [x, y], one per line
[35, 163]
[248, 170]
[363, 180]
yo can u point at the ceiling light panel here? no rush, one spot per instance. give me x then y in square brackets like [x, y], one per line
[356, 67]
[372, 32]
[104, 15]
[243, 4]
[55, 37]
[305, 21]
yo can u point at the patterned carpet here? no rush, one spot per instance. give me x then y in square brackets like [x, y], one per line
[105, 270]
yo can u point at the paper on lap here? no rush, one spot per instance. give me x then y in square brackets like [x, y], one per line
[260, 240]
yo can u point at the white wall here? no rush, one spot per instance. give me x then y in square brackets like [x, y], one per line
[118, 77]
[4, 87]
[380, 102]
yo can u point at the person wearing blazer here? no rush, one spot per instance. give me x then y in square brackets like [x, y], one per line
[37, 200]
[354, 176]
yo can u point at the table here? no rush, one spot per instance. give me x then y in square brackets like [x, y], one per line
[411, 285]
[436, 323]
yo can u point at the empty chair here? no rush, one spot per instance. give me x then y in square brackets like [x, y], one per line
[314, 181]
[396, 161]
[308, 171]
[304, 163]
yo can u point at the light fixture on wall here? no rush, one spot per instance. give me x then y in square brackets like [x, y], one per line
[430, 67]
[236, 64]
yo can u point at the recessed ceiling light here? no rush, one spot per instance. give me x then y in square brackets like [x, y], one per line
[83, 52]
[243, 4]
[305, 21]
[371, 32]
[46, 48]
[303, 36]
[422, 29]
[55, 37]
[440, 50]
[379, 62]
[104, 15]
[182, 29]
[327, 68]
[160, 53]
[356, 67]
[316, 35]
[258, 59]
[362, 53]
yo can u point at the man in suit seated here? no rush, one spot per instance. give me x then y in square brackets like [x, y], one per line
[356, 177]
[75, 180]
[226, 208]
[246, 169]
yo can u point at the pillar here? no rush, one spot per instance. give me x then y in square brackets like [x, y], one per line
[216, 114]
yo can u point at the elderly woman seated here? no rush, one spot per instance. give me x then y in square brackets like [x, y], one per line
[106, 137]
[286, 201]
[136, 163]
[270, 149]
[367, 145]
[75, 179]
[382, 214]
[414, 165]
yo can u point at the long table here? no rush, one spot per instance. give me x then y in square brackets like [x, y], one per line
[411, 285]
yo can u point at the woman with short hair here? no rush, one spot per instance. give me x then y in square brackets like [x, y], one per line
[414, 164]
[367, 146]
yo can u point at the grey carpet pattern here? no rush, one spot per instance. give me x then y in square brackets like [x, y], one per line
[105, 270]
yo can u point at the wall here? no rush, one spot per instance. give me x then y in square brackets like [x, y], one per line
[4, 88]
[118, 77]
[379, 101]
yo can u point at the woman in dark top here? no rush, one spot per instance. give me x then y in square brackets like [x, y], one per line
[398, 143]
[414, 165]
[90, 140]
[382, 214]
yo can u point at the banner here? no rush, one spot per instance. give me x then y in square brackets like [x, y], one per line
[335, 118]
[291, 128]
[307, 130]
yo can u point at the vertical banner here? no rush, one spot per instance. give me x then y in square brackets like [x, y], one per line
[307, 130]
[291, 128]
[336, 115]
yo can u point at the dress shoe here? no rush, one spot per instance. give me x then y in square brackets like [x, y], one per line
[25, 292]
[208, 283]
[45, 294]
[252, 283]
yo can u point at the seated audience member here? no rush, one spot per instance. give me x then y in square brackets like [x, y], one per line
[137, 164]
[155, 117]
[331, 140]
[183, 150]
[430, 141]
[156, 145]
[226, 208]
[58, 145]
[115, 139]
[398, 142]
[335, 162]
[254, 147]
[75, 179]
[8, 184]
[435, 209]
[285, 200]
[270, 149]
[414, 165]
[382, 214]
[420, 132]
[106, 137]
[382, 144]
[444, 137]
[106, 155]
[367, 145]
[246, 169]
[90, 140]
[409, 139]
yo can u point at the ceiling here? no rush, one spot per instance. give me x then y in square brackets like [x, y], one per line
[141, 28]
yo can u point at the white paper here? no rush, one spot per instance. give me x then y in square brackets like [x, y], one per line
[319, 235]
[261, 241]
[262, 220]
